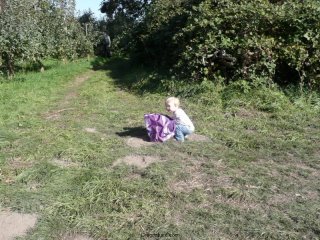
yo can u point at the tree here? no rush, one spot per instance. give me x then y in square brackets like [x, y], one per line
[92, 29]
[131, 9]
[67, 6]
[123, 16]
[33, 30]
[20, 34]
[2, 2]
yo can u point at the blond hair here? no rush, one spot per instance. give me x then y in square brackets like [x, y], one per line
[173, 100]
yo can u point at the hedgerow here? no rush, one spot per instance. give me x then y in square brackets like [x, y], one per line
[256, 41]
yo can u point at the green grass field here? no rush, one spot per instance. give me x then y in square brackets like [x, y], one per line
[256, 176]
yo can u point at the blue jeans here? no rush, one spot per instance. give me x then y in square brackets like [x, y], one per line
[181, 132]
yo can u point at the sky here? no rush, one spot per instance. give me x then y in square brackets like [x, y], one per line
[93, 5]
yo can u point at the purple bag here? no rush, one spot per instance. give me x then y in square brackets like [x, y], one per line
[159, 127]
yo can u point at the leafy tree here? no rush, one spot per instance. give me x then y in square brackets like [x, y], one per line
[123, 16]
[20, 33]
[132, 9]
[92, 29]
[153, 38]
[64, 38]
[33, 30]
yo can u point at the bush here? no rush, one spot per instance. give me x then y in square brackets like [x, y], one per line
[254, 40]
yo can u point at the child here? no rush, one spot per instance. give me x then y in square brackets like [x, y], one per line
[184, 126]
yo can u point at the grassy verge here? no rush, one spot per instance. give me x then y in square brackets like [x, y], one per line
[257, 177]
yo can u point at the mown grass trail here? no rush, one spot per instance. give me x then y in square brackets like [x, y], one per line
[67, 134]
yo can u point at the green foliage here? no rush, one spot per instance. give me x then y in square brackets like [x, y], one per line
[92, 30]
[123, 16]
[32, 31]
[153, 38]
[20, 35]
[255, 41]
[63, 35]
[132, 9]
[259, 35]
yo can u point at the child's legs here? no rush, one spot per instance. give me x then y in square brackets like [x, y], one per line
[181, 132]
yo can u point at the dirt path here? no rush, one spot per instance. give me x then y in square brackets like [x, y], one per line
[14, 224]
[70, 95]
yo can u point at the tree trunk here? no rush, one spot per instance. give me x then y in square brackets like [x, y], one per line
[9, 64]
[2, 3]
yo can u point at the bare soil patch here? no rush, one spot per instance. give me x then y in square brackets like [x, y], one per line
[313, 171]
[136, 160]
[14, 225]
[64, 163]
[133, 176]
[91, 130]
[223, 181]
[55, 115]
[198, 138]
[248, 113]
[33, 186]
[138, 142]
[142, 142]
[196, 180]
[279, 199]
[19, 163]
[70, 95]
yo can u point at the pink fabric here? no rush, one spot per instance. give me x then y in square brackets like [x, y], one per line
[160, 128]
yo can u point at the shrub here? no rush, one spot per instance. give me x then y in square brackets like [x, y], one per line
[254, 40]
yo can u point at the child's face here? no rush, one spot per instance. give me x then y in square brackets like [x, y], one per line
[171, 107]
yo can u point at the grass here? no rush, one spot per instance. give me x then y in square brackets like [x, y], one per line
[257, 177]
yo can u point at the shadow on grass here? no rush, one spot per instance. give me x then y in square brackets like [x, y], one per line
[127, 74]
[99, 63]
[135, 132]
[29, 67]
